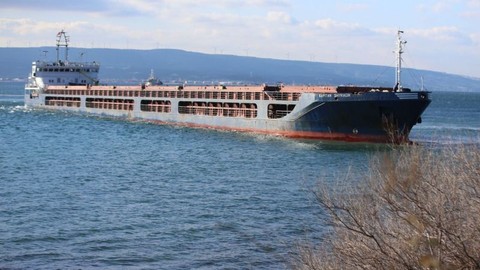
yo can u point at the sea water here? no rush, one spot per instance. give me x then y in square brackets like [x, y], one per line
[86, 192]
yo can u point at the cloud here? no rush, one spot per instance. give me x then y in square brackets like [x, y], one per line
[471, 14]
[449, 34]
[473, 3]
[440, 6]
[29, 27]
[464, 8]
[350, 7]
[476, 40]
[472, 10]
[214, 20]
[263, 28]
[36, 33]
[119, 8]
[181, 5]
[79, 6]
[338, 27]
[231, 3]
[279, 16]
[160, 9]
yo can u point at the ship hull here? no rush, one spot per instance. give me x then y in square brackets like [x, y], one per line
[365, 117]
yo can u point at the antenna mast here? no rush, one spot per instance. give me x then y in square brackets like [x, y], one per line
[400, 43]
[62, 41]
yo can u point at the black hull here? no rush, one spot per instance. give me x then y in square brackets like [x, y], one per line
[370, 117]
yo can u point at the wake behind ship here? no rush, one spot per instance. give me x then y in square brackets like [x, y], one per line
[344, 113]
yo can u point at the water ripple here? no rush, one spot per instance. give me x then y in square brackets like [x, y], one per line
[96, 193]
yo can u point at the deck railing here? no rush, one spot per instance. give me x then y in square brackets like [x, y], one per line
[110, 104]
[223, 94]
[62, 101]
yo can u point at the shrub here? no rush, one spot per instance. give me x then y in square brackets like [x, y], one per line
[418, 208]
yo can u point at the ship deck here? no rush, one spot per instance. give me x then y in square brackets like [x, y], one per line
[242, 88]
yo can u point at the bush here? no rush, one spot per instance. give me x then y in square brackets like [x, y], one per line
[418, 208]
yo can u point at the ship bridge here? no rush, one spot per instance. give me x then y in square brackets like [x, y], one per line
[62, 71]
[65, 73]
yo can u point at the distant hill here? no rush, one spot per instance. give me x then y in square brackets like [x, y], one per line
[121, 66]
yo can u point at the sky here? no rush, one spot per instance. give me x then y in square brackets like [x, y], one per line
[441, 35]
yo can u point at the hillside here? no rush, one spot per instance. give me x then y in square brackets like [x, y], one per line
[120, 66]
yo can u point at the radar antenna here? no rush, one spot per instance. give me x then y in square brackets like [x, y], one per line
[62, 41]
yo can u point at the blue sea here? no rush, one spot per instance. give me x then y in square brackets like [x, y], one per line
[85, 192]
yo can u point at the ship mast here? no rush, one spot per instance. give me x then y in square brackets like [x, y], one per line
[62, 41]
[399, 51]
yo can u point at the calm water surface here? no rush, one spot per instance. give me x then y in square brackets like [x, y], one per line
[85, 192]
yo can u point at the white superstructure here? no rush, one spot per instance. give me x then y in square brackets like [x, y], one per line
[61, 72]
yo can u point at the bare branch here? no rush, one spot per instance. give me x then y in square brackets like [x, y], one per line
[416, 208]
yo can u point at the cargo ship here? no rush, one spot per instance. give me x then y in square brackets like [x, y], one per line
[325, 112]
